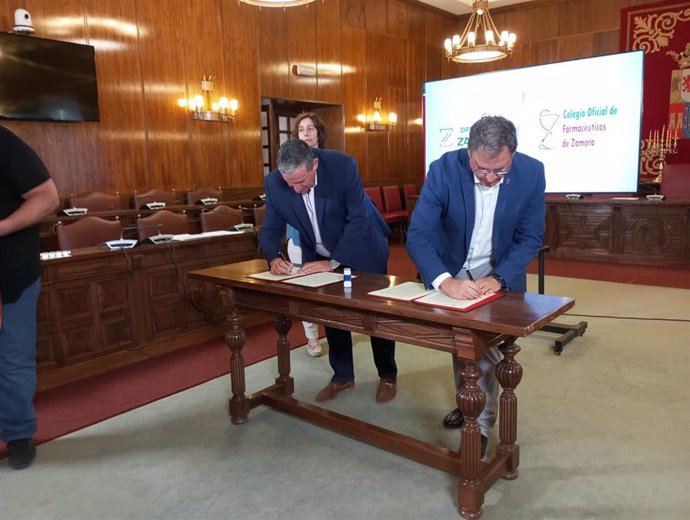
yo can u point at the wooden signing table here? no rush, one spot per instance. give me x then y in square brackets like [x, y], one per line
[498, 323]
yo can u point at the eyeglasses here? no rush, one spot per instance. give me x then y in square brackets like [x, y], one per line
[483, 172]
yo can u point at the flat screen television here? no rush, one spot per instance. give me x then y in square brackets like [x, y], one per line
[47, 80]
[581, 118]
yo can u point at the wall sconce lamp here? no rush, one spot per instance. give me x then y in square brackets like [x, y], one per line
[203, 108]
[377, 121]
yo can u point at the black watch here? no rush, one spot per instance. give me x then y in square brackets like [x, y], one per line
[333, 264]
[500, 280]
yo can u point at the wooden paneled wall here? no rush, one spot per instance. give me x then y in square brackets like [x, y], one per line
[150, 53]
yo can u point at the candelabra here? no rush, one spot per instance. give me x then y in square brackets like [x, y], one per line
[658, 146]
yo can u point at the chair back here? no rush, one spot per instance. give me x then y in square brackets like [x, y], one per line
[409, 190]
[195, 196]
[154, 195]
[219, 218]
[259, 213]
[96, 201]
[162, 222]
[374, 193]
[87, 232]
[675, 184]
[391, 199]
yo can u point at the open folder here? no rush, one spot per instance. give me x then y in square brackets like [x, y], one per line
[295, 278]
[416, 292]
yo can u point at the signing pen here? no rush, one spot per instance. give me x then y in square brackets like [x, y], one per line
[469, 275]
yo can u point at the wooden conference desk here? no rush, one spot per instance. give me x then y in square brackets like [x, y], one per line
[101, 309]
[469, 334]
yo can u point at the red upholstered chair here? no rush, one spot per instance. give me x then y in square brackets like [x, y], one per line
[155, 195]
[219, 218]
[87, 232]
[409, 191]
[374, 193]
[675, 183]
[162, 222]
[195, 196]
[96, 201]
[394, 213]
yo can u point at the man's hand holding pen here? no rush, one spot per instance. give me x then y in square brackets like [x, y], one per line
[281, 265]
[469, 289]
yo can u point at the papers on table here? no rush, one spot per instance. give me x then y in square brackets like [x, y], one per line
[305, 280]
[405, 291]
[316, 279]
[267, 275]
[186, 237]
[440, 299]
[415, 292]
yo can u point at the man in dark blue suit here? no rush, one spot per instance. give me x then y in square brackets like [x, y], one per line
[477, 224]
[319, 193]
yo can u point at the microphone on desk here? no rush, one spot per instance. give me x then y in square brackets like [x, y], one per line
[123, 243]
[160, 238]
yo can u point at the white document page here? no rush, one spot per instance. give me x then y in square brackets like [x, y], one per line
[407, 291]
[316, 279]
[267, 275]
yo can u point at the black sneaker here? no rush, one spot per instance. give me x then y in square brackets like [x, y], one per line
[21, 453]
[454, 419]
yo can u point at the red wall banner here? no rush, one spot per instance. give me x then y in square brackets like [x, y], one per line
[662, 31]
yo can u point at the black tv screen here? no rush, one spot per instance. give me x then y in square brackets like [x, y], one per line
[47, 80]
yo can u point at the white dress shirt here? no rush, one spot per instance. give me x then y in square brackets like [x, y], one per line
[310, 204]
[478, 260]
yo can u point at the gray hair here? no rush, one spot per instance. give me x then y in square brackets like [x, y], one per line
[490, 134]
[292, 154]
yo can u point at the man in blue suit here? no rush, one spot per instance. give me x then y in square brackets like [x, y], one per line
[319, 193]
[477, 224]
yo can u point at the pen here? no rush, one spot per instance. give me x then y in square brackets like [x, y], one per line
[469, 275]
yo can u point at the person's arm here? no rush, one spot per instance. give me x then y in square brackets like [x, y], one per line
[528, 236]
[357, 224]
[272, 227]
[424, 229]
[39, 202]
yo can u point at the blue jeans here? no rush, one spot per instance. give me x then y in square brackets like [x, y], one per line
[18, 365]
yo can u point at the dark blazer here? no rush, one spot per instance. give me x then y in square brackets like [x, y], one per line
[351, 227]
[441, 227]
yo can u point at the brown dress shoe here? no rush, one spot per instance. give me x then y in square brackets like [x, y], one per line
[332, 390]
[386, 390]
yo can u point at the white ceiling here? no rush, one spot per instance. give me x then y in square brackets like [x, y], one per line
[465, 6]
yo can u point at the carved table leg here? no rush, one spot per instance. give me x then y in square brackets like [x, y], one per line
[470, 400]
[282, 325]
[235, 338]
[509, 374]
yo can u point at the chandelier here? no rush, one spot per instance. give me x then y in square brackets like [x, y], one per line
[466, 49]
[277, 3]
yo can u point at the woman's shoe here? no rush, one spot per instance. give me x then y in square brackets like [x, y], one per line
[314, 347]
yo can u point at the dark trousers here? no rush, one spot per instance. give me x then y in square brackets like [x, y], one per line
[340, 355]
